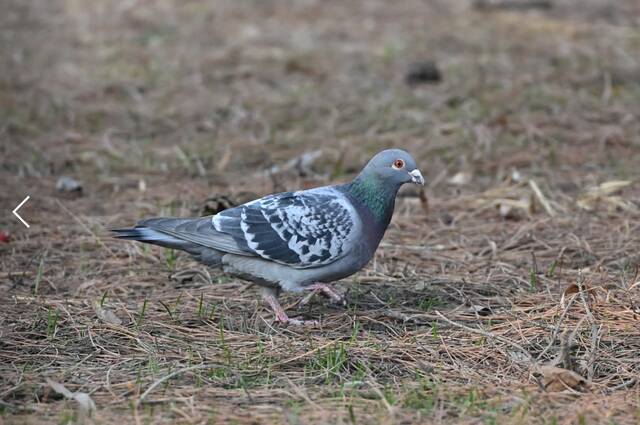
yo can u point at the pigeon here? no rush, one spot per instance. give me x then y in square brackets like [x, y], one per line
[293, 241]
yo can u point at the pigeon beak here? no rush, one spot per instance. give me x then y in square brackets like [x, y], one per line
[416, 177]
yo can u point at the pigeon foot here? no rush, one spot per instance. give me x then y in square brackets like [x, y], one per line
[325, 289]
[281, 315]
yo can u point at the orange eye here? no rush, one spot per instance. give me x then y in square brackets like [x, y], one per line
[398, 163]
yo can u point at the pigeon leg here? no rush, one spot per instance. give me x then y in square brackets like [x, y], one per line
[327, 290]
[281, 315]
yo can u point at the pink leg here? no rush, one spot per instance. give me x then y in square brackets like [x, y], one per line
[281, 315]
[325, 289]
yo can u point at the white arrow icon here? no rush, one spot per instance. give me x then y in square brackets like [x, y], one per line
[15, 211]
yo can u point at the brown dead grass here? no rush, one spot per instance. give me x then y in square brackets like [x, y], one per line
[513, 297]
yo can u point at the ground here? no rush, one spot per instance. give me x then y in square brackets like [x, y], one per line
[521, 255]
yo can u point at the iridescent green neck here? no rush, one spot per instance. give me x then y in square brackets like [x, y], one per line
[378, 197]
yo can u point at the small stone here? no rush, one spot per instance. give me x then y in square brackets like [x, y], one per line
[446, 218]
[480, 310]
[68, 184]
[423, 72]
[221, 202]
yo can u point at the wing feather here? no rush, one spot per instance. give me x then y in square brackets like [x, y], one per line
[301, 229]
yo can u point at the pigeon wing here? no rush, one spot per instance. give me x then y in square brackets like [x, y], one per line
[300, 229]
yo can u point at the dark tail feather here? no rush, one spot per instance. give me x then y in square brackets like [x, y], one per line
[145, 232]
[130, 233]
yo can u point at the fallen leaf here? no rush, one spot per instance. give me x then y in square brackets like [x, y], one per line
[420, 286]
[60, 389]
[510, 208]
[505, 211]
[575, 289]
[604, 194]
[84, 400]
[611, 187]
[106, 315]
[460, 179]
[301, 164]
[556, 379]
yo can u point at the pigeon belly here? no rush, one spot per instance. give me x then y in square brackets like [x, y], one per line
[270, 274]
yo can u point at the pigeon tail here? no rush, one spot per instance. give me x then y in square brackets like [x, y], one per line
[158, 231]
[147, 234]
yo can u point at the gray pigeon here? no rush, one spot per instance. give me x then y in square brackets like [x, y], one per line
[293, 241]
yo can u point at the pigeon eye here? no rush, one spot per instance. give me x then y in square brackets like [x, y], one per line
[398, 163]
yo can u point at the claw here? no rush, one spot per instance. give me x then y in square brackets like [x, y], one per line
[325, 289]
[307, 298]
[281, 315]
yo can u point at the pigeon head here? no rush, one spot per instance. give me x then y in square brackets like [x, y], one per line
[377, 184]
[393, 168]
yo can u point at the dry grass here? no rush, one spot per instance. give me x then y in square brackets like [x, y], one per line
[527, 259]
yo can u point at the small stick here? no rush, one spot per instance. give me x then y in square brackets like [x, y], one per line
[543, 200]
[556, 329]
[488, 335]
[86, 228]
[624, 385]
[166, 378]
[595, 329]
